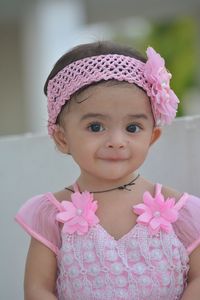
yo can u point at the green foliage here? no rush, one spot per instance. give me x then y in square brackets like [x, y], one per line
[176, 41]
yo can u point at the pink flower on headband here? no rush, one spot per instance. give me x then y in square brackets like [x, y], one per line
[78, 214]
[156, 213]
[163, 99]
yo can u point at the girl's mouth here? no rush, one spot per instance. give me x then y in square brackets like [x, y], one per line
[114, 158]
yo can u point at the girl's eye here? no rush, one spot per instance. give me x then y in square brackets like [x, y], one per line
[133, 128]
[96, 127]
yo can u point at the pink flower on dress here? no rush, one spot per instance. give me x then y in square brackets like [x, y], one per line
[79, 214]
[156, 213]
[163, 99]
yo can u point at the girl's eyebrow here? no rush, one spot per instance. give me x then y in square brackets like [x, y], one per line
[138, 116]
[104, 116]
[94, 115]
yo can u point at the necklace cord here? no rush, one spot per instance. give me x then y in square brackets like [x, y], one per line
[121, 187]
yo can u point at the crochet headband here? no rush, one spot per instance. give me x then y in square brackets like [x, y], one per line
[152, 76]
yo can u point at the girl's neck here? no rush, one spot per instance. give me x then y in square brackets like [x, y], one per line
[90, 183]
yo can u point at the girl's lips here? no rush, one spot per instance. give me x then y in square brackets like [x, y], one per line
[114, 158]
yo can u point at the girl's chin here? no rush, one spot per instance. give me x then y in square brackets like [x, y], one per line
[115, 178]
[112, 174]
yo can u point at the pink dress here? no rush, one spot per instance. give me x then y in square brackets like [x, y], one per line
[150, 262]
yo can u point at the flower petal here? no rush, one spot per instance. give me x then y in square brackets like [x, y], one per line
[163, 100]
[167, 227]
[144, 218]
[140, 208]
[78, 214]
[148, 199]
[154, 223]
[171, 215]
[92, 218]
[78, 200]
[68, 228]
[67, 206]
[159, 200]
[68, 212]
[64, 216]
[170, 202]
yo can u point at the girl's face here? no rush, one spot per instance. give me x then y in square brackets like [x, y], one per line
[108, 131]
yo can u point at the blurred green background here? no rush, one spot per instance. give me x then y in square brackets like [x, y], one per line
[176, 40]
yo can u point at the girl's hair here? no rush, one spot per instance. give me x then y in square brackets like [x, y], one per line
[88, 50]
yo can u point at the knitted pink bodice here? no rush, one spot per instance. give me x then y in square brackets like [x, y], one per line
[137, 266]
[94, 265]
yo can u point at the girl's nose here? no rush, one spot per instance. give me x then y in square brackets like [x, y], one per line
[116, 141]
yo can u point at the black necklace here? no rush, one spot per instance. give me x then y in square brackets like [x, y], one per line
[121, 187]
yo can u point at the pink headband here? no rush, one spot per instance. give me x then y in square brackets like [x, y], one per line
[152, 76]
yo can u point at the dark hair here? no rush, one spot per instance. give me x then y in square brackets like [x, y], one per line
[88, 50]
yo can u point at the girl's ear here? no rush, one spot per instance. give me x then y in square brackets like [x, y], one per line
[60, 140]
[155, 135]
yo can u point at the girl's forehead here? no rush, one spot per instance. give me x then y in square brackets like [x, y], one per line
[104, 97]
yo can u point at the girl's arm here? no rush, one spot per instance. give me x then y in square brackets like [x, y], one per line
[192, 292]
[40, 273]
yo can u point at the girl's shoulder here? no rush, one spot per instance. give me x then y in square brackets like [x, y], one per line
[42, 203]
[187, 226]
[157, 188]
[37, 216]
[184, 201]
[51, 199]
[169, 192]
[62, 195]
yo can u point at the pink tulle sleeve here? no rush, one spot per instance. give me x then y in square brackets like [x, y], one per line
[187, 227]
[38, 217]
